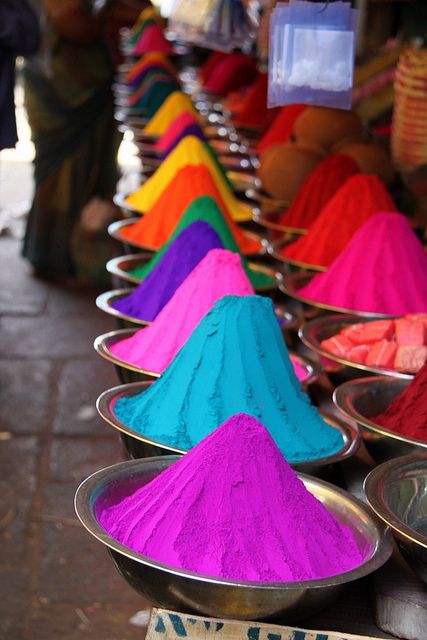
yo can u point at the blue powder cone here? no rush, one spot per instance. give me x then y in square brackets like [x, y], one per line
[181, 257]
[235, 361]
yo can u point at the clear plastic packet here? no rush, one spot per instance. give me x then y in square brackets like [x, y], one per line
[312, 50]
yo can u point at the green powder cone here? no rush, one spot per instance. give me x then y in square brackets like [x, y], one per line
[138, 33]
[205, 208]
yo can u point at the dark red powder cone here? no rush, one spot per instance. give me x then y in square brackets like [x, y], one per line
[320, 186]
[352, 205]
[253, 111]
[234, 71]
[207, 68]
[282, 126]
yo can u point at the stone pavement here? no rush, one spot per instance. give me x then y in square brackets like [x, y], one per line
[56, 581]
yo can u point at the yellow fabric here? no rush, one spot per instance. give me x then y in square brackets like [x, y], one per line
[175, 104]
[189, 151]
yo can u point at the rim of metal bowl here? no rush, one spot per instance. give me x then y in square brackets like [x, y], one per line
[274, 251]
[114, 267]
[379, 555]
[101, 346]
[291, 282]
[104, 303]
[119, 200]
[373, 488]
[105, 406]
[260, 196]
[340, 398]
[115, 228]
[306, 335]
[267, 220]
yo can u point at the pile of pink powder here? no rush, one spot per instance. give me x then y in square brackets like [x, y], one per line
[208, 512]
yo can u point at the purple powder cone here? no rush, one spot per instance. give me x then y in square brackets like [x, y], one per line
[190, 130]
[181, 257]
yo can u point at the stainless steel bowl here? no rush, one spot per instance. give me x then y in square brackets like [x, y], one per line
[339, 369]
[182, 590]
[138, 445]
[130, 373]
[397, 492]
[115, 231]
[363, 399]
[105, 301]
[274, 230]
[293, 265]
[291, 283]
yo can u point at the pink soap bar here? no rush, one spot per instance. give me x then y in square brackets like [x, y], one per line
[410, 358]
[411, 331]
[381, 354]
[338, 345]
[358, 353]
[377, 330]
[354, 333]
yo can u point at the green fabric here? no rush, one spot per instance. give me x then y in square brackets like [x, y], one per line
[205, 208]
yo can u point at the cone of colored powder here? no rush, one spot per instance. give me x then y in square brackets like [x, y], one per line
[209, 65]
[360, 197]
[205, 209]
[253, 111]
[153, 59]
[153, 76]
[138, 31]
[153, 97]
[179, 259]
[208, 512]
[383, 269]
[282, 126]
[407, 414]
[175, 131]
[231, 72]
[152, 39]
[137, 83]
[219, 273]
[175, 104]
[189, 151]
[158, 224]
[234, 361]
[322, 183]
[146, 16]
[191, 130]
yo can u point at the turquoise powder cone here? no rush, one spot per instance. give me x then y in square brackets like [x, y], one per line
[235, 361]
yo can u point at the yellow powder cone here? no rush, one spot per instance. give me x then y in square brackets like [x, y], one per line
[175, 104]
[146, 14]
[190, 151]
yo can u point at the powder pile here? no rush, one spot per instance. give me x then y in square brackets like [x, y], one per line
[216, 504]
[152, 79]
[253, 111]
[218, 274]
[383, 269]
[159, 222]
[234, 361]
[282, 126]
[360, 197]
[231, 72]
[152, 39]
[317, 189]
[399, 344]
[175, 131]
[210, 63]
[189, 152]
[407, 414]
[179, 259]
[154, 94]
[139, 30]
[175, 104]
[151, 60]
[205, 209]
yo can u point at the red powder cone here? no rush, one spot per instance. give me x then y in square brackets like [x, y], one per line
[157, 225]
[153, 39]
[207, 68]
[253, 111]
[352, 205]
[234, 71]
[282, 126]
[320, 186]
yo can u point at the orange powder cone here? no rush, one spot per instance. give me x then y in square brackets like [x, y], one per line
[353, 204]
[189, 151]
[175, 104]
[157, 225]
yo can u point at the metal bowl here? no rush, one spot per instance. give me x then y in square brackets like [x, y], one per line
[119, 267]
[312, 333]
[291, 283]
[129, 373]
[275, 231]
[363, 399]
[115, 231]
[295, 265]
[182, 590]
[397, 492]
[138, 445]
[267, 202]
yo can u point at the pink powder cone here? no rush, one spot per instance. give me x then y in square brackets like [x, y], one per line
[176, 128]
[383, 270]
[220, 273]
[232, 507]
[152, 39]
